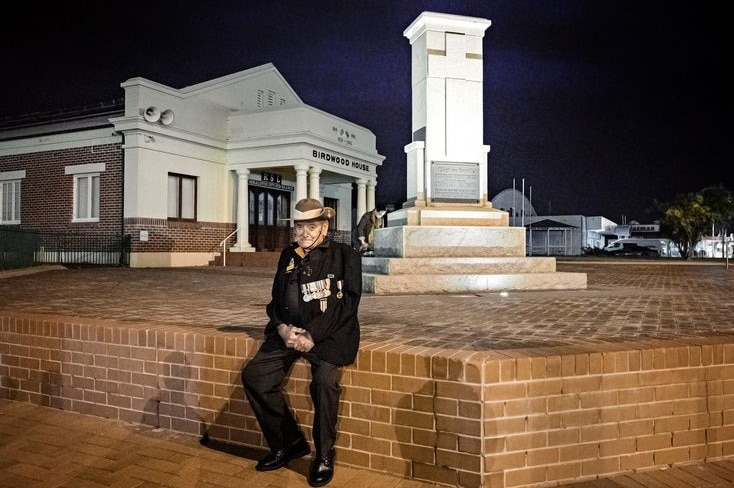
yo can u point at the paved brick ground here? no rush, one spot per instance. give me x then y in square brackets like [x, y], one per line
[41, 447]
[44, 447]
[628, 301]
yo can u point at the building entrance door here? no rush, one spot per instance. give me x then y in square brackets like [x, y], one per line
[269, 212]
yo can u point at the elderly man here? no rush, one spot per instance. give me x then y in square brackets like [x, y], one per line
[313, 315]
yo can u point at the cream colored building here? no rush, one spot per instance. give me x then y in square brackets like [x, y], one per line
[185, 173]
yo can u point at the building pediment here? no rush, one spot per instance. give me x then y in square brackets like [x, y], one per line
[299, 124]
[204, 108]
[262, 87]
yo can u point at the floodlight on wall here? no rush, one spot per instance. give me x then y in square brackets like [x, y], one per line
[152, 114]
[167, 117]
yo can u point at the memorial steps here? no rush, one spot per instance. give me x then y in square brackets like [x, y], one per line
[450, 259]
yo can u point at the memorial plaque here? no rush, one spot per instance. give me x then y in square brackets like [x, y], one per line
[454, 182]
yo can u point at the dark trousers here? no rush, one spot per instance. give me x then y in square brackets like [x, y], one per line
[263, 378]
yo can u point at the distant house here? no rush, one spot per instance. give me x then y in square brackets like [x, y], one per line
[567, 235]
[554, 235]
[549, 237]
[182, 174]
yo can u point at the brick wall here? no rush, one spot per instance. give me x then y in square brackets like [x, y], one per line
[47, 202]
[47, 192]
[458, 418]
[177, 236]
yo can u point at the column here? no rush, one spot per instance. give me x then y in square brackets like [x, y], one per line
[416, 171]
[313, 183]
[301, 182]
[371, 194]
[243, 214]
[361, 198]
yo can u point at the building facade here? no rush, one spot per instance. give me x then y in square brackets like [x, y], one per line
[186, 173]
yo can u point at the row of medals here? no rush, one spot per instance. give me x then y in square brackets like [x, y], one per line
[319, 289]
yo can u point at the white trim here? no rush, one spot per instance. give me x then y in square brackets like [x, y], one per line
[57, 142]
[12, 175]
[84, 168]
[90, 200]
[15, 199]
[169, 259]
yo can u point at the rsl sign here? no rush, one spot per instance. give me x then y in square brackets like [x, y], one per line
[271, 180]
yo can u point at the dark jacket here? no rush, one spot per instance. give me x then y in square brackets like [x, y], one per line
[335, 331]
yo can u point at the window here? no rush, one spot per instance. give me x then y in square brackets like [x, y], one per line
[86, 190]
[333, 203]
[10, 198]
[283, 205]
[86, 197]
[181, 197]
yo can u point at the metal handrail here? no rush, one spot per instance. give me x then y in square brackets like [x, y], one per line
[224, 251]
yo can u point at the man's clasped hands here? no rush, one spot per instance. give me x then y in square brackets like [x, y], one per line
[295, 337]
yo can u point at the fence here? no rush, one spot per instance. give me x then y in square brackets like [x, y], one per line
[21, 248]
[17, 248]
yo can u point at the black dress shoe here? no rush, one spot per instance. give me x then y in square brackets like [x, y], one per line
[322, 470]
[278, 459]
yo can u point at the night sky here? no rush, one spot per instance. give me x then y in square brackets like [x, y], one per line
[602, 107]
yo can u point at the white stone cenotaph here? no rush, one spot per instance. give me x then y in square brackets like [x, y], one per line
[447, 238]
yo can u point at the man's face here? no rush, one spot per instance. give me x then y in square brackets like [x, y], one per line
[310, 234]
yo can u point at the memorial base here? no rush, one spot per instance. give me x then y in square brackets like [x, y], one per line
[448, 214]
[412, 259]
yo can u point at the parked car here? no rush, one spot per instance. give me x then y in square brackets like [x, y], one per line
[634, 250]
